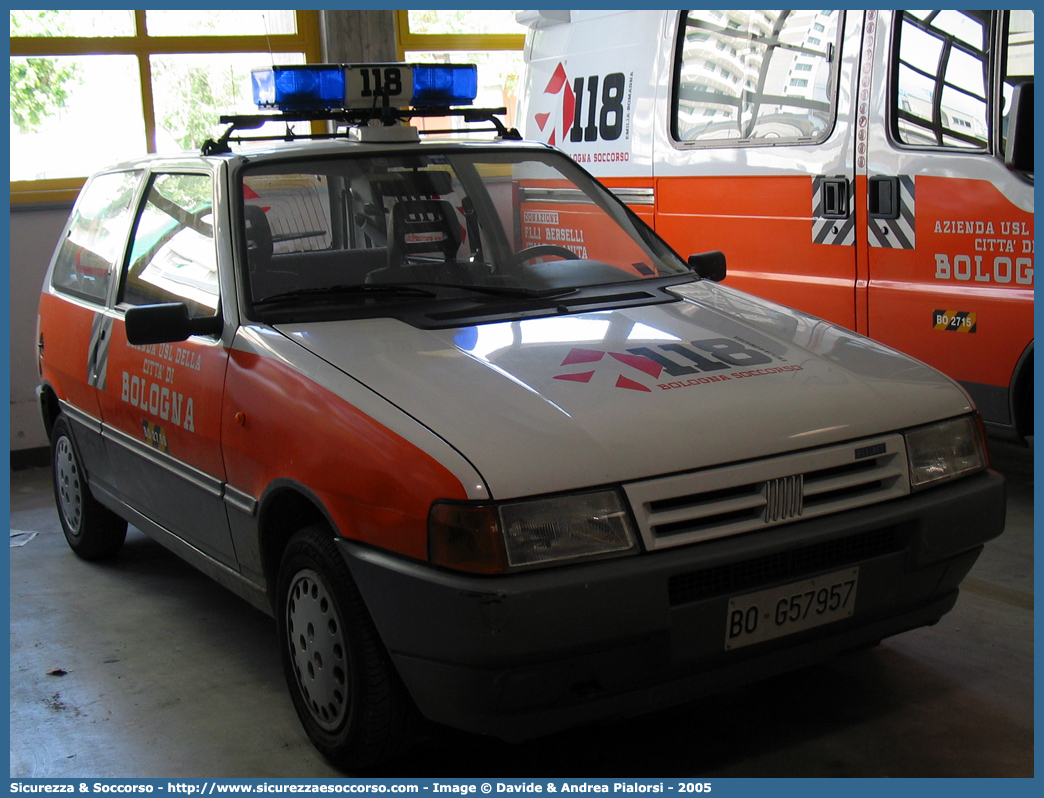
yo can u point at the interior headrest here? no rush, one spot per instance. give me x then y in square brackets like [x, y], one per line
[422, 226]
[258, 234]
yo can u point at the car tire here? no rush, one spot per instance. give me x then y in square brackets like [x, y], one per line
[344, 686]
[92, 530]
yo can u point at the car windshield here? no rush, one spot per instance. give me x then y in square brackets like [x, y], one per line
[423, 225]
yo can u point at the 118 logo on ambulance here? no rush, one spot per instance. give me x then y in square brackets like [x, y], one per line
[592, 108]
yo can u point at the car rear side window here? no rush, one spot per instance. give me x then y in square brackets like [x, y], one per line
[96, 236]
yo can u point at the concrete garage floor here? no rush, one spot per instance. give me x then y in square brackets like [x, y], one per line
[165, 674]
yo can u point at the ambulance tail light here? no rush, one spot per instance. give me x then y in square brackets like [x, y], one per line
[494, 539]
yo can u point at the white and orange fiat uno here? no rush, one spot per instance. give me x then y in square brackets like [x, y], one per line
[490, 452]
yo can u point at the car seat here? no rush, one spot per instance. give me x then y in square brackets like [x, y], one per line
[425, 227]
[258, 237]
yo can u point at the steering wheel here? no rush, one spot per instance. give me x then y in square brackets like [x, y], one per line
[540, 250]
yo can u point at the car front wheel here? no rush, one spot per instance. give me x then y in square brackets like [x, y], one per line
[344, 687]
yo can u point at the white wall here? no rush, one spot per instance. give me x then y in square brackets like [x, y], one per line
[34, 234]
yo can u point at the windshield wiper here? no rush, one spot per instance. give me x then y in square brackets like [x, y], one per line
[505, 290]
[415, 289]
[359, 289]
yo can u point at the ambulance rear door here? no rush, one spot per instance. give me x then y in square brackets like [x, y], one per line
[754, 151]
[950, 225]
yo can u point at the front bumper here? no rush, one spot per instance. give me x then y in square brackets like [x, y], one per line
[526, 654]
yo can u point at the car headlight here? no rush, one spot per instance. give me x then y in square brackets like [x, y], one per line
[495, 538]
[945, 450]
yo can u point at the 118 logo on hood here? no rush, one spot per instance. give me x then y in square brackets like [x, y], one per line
[703, 357]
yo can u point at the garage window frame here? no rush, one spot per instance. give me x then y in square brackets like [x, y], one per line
[406, 40]
[470, 47]
[142, 46]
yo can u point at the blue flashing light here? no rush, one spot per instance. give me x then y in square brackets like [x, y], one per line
[298, 87]
[444, 84]
[340, 86]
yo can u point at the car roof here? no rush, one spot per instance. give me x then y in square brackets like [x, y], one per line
[277, 150]
[262, 151]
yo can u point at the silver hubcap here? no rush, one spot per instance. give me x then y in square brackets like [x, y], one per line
[70, 492]
[317, 646]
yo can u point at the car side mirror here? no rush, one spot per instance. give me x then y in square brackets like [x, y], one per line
[1018, 154]
[167, 324]
[709, 265]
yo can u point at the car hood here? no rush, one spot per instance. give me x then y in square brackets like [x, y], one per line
[572, 401]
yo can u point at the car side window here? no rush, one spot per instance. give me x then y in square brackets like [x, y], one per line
[749, 77]
[173, 256]
[96, 236]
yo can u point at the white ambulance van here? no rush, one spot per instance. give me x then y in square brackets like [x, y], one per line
[873, 168]
[475, 477]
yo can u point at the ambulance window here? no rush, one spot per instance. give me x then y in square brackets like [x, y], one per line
[172, 257]
[748, 77]
[940, 97]
[1018, 63]
[96, 237]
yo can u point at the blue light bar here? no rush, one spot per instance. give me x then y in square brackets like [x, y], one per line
[444, 84]
[299, 87]
[340, 86]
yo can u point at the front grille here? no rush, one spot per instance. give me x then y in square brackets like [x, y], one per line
[790, 565]
[784, 498]
[745, 497]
